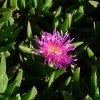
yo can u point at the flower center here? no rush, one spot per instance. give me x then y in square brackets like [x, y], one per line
[54, 49]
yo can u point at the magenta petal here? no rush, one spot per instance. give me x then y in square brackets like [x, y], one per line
[55, 47]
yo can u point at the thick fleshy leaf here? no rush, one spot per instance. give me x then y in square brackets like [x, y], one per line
[58, 73]
[34, 3]
[19, 78]
[66, 83]
[26, 49]
[76, 44]
[11, 21]
[16, 83]
[79, 13]
[4, 4]
[94, 3]
[2, 64]
[3, 76]
[51, 78]
[56, 17]
[88, 98]
[21, 4]
[18, 97]
[5, 17]
[3, 82]
[32, 11]
[76, 85]
[13, 4]
[46, 5]
[7, 54]
[58, 11]
[97, 94]
[66, 23]
[94, 83]
[76, 74]
[55, 22]
[29, 31]
[30, 95]
[90, 54]
[10, 88]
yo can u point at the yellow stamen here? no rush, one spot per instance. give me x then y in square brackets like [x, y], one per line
[54, 49]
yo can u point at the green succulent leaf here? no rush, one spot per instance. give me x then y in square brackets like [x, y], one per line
[19, 78]
[94, 83]
[18, 97]
[35, 3]
[4, 4]
[76, 85]
[94, 3]
[6, 17]
[76, 74]
[58, 11]
[11, 21]
[58, 73]
[13, 4]
[66, 23]
[2, 64]
[56, 17]
[29, 31]
[51, 78]
[3, 82]
[26, 49]
[88, 98]
[79, 14]
[10, 88]
[66, 83]
[76, 44]
[90, 54]
[55, 22]
[30, 95]
[47, 4]
[21, 4]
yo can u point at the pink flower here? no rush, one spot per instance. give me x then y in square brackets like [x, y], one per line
[56, 48]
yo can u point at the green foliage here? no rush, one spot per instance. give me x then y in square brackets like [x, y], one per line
[51, 78]
[6, 15]
[24, 75]
[13, 4]
[93, 3]
[66, 23]
[30, 95]
[21, 4]
[3, 76]
[76, 44]
[79, 13]
[46, 5]
[3, 82]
